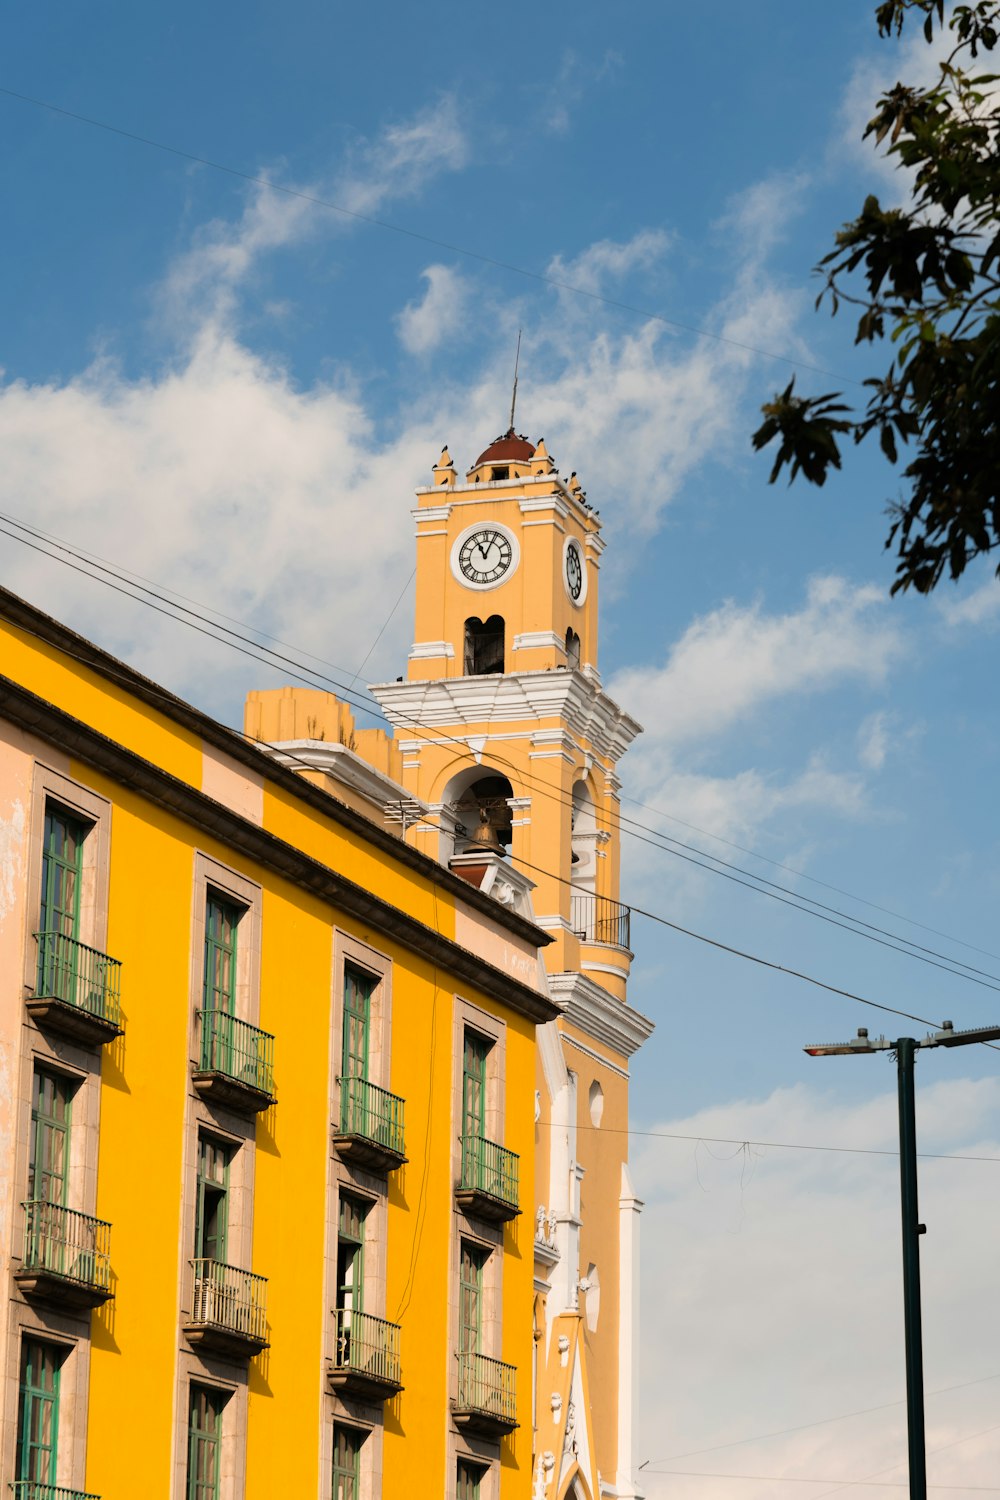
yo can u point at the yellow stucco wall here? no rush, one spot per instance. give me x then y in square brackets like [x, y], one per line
[145, 1085]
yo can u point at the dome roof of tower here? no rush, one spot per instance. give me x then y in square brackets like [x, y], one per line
[510, 447]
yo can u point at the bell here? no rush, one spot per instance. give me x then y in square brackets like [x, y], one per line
[485, 836]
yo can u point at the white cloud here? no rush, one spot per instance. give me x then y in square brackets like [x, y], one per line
[397, 164]
[425, 325]
[731, 662]
[610, 260]
[576, 78]
[873, 741]
[771, 1291]
[980, 608]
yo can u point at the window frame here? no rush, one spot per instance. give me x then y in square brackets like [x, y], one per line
[214, 1399]
[356, 1436]
[29, 1396]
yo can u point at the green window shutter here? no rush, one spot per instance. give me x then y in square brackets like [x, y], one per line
[346, 1463]
[470, 1299]
[222, 919]
[204, 1443]
[38, 1413]
[59, 917]
[48, 1167]
[468, 1480]
[350, 1254]
[212, 1201]
[358, 990]
[474, 1057]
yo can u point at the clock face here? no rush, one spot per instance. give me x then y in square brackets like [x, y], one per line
[485, 556]
[574, 572]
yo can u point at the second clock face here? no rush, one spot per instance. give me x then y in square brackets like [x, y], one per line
[486, 556]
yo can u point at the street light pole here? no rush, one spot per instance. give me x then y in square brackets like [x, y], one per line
[906, 1048]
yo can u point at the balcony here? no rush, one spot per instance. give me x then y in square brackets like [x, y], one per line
[235, 1063]
[76, 990]
[65, 1256]
[595, 919]
[366, 1361]
[488, 1185]
[228, 1313]
[371, 1126]
[34, 1489]
[485, 1402]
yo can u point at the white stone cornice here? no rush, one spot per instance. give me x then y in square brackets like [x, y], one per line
[545, 502]
[571, 697]
[431, 512]
[599, 1015]
[431, 651]
[529, 640]
[346, 766]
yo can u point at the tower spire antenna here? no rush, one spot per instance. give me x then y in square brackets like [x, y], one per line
[513, 399]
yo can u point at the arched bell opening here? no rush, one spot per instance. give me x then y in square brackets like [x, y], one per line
[572, 649]
[583, 837]
[477, 799]
[484, 646]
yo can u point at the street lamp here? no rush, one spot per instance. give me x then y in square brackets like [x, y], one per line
[906, 1048]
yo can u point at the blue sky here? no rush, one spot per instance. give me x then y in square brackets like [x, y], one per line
[200, 375]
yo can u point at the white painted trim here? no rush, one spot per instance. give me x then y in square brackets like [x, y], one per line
[529, 640]
[605, 969]
[431, 512]
[629, 1209]
[592, 1010]
[431, 651]
[552, 501]
[344, 765]
[571, 1041]
[573, 698]
[438, 531]
[556, 524]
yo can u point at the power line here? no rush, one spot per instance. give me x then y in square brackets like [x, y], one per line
[254, 654]
[731, 1140]
[630, 826]
[863, 1411]
[882, 1484]
[426, 239]
[803, 875]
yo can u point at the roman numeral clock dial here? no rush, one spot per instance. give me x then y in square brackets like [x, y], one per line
[484, 556]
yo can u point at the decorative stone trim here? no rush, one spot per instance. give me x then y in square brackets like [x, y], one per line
[431, 651]
[596, 1013]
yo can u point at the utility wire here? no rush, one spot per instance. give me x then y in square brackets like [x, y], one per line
[426, 239]
[630, 826]
[254, 654]
[879, 1484]
[863, 1411]
[730, 1140]
[802, 875]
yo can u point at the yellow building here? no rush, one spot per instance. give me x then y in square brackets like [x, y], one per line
[507, 747]
[268, 1101]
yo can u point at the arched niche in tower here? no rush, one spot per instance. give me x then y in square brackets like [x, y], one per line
[479, 811]
[583, 872]
[484, 646]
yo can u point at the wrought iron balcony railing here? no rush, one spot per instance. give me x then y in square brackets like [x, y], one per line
[66, 1255]
[371, 1124]
[486, 1393]
[235, 1059]
[366, 1357]
[76, 987]
[595, 919]
[489, 1178]
[34, 1489]
[229, 1308]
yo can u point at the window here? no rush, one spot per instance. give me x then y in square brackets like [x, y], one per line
[474, 1085]
[204, 1443]
[48, 1166]
[346, 1463]
[468, 1480]
[212, 1204]
[38, 1413]
[59, 917]
[221, 922]
[358, 988]
[499, 471]
[484, 646]
[470, 1298]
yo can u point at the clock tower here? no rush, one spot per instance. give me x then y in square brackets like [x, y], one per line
[510, 743]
